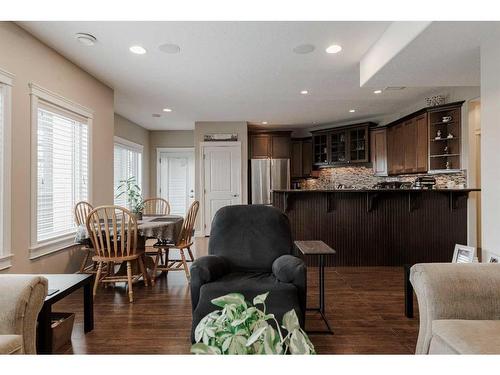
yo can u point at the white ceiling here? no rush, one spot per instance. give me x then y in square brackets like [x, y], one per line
[444, 54]
[230, 71]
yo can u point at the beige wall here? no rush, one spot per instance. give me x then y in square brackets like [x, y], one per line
[210, 127]
[32, 61]
[167, 138]
[133, 132]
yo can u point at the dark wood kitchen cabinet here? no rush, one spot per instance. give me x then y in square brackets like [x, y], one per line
[265, 145]
[378, 150]
[260, 146]
[342, 145]
[280, 146]
[301, 157]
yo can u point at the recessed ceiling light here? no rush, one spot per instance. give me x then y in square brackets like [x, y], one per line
[156, 115]
[334, 48]
[352, 110]
[264, 122]
[167, 110]
[169, 48]
[302, 49]
[304, 92]
[137, 50]
[86, 39]
[377, 92]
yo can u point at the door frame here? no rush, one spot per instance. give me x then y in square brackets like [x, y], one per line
[159, 150]
[202, 175]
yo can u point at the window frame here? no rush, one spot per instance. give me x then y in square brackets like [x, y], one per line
[37, 93]
[6, 83]
[132, 146]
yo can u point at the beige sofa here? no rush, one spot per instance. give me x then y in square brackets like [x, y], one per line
[459, 307]
[21, 299]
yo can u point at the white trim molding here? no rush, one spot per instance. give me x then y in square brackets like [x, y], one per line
[6, 77]
[40, 248]
[5, 261]
[60, 101]
[6, 82]
[129, 144]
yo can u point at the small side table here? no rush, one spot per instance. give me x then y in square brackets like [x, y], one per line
[321, 250]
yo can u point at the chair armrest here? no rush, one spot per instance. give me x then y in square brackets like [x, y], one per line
[290, 269]
[21, 299]
[205, 270]
[454, 291]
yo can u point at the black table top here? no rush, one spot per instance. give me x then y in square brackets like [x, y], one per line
[314, 248]
[65, 284]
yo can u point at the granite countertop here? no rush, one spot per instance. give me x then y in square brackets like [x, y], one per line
[455, 190]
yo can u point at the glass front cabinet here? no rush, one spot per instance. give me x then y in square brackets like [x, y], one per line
[342, 145]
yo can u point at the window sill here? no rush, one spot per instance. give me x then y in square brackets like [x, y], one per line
[5, 262]
[52, 246]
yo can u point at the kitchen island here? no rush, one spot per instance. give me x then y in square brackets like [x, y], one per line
[379, 227]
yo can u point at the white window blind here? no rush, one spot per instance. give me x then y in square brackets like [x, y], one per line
[127, 163]
[62, 169]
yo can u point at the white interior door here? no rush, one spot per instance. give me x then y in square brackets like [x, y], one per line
[222, 180]
[176, 179]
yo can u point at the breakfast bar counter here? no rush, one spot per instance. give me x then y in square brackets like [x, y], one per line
[379, 227]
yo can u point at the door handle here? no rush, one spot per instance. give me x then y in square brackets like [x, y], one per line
[236, 195]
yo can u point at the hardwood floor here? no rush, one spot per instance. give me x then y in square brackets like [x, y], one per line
[365, 307]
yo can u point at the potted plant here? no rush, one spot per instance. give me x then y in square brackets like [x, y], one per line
[132, 191]
[242, 328]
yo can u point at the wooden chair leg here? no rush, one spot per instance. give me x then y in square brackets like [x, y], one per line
[129, 277]
[184, 263]
[190, 254]
[97, 278]
[142, 268]
[165, 260]
[84, 261]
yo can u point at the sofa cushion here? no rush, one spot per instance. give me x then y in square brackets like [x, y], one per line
[11, 344]
[465, 337]
[282, 296]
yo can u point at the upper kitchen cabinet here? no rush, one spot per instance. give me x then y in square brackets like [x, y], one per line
[275, 145]
[302, 157]
[425, 141]
[260, 146]
[342, 145]
[378, 150]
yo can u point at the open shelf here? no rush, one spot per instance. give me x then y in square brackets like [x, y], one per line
[444, 155]
[444, 139]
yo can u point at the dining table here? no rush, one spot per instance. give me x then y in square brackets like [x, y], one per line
[164, 228]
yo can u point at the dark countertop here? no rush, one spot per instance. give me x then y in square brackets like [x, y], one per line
[465, 190]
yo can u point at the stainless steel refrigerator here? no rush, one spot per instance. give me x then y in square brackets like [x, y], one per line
[267, 175]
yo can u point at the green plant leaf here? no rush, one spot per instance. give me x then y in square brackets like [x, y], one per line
[260, 299]
[290, 321]
[200, 348]
[269, 343]
[256, 335]
[230, 299]
[298, 343]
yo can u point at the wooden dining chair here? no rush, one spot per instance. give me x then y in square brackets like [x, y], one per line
[82, 210]
[156, 206]
[184, 242]
[114, 234]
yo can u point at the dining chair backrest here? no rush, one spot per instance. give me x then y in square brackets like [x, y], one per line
[188, 224]
[113, 231]
[82, 210]
[156, 206]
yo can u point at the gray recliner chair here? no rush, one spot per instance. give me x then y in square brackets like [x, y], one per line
[250, 252]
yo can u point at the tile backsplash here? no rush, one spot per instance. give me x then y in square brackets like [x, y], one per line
[363, 178]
